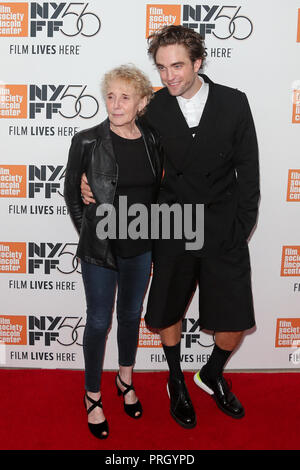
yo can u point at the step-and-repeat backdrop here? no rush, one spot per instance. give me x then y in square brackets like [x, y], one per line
[53, 55]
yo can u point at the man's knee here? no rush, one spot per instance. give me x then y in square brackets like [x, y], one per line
[228, 340]
[171, 335]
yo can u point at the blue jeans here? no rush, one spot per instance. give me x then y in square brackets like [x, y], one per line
[131, 281]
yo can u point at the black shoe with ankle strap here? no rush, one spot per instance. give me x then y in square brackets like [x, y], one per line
[133, 410]
[99, 430]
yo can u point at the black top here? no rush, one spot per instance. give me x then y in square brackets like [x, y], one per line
[135, 181]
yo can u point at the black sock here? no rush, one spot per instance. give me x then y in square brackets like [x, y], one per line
[215, 365]
[172, 354]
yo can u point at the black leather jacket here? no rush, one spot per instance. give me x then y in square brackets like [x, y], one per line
[91, 152]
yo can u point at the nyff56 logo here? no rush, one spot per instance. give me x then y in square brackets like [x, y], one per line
[46, 257]
[45, 180]
[67, 331]
[41, 181]
[41, 258]
[69, 101]
[48, 19]
[221, 21]
[46, 100]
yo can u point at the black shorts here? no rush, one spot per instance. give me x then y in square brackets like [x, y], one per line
[225, 294]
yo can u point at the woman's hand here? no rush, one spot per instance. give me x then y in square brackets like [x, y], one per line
[86, 193]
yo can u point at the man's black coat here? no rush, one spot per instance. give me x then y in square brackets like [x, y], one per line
[218, 167]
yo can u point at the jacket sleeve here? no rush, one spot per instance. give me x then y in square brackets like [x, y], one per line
[74, 170]
[247, 169]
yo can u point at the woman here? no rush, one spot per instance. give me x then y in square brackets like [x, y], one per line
[121, 157]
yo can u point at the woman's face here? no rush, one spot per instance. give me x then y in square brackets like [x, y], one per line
[122, 102]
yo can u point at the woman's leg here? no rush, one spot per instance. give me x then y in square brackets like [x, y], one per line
[100, 285]
[133, 278]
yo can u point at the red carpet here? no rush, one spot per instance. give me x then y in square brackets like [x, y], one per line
[43, 410]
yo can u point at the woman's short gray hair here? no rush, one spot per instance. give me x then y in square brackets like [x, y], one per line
[131, 75]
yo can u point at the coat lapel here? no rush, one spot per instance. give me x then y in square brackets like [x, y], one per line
[205, 130]
[103, 156]
[175, 116]
[177, 135]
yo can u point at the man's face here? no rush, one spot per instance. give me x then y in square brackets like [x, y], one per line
[177, 71]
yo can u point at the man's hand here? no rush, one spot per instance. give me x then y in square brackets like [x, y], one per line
[87, 195]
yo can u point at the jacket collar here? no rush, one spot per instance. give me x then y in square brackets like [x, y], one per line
[103, 155]
[173, 111]
[107, 146]
[104, 129]
[205, 129]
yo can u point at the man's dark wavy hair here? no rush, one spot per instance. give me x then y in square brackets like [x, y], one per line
[177, 35]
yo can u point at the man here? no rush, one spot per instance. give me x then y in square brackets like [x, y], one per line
[211, 158]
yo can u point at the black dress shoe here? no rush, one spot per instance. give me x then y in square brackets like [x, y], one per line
[181, 407]
[223, 396]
